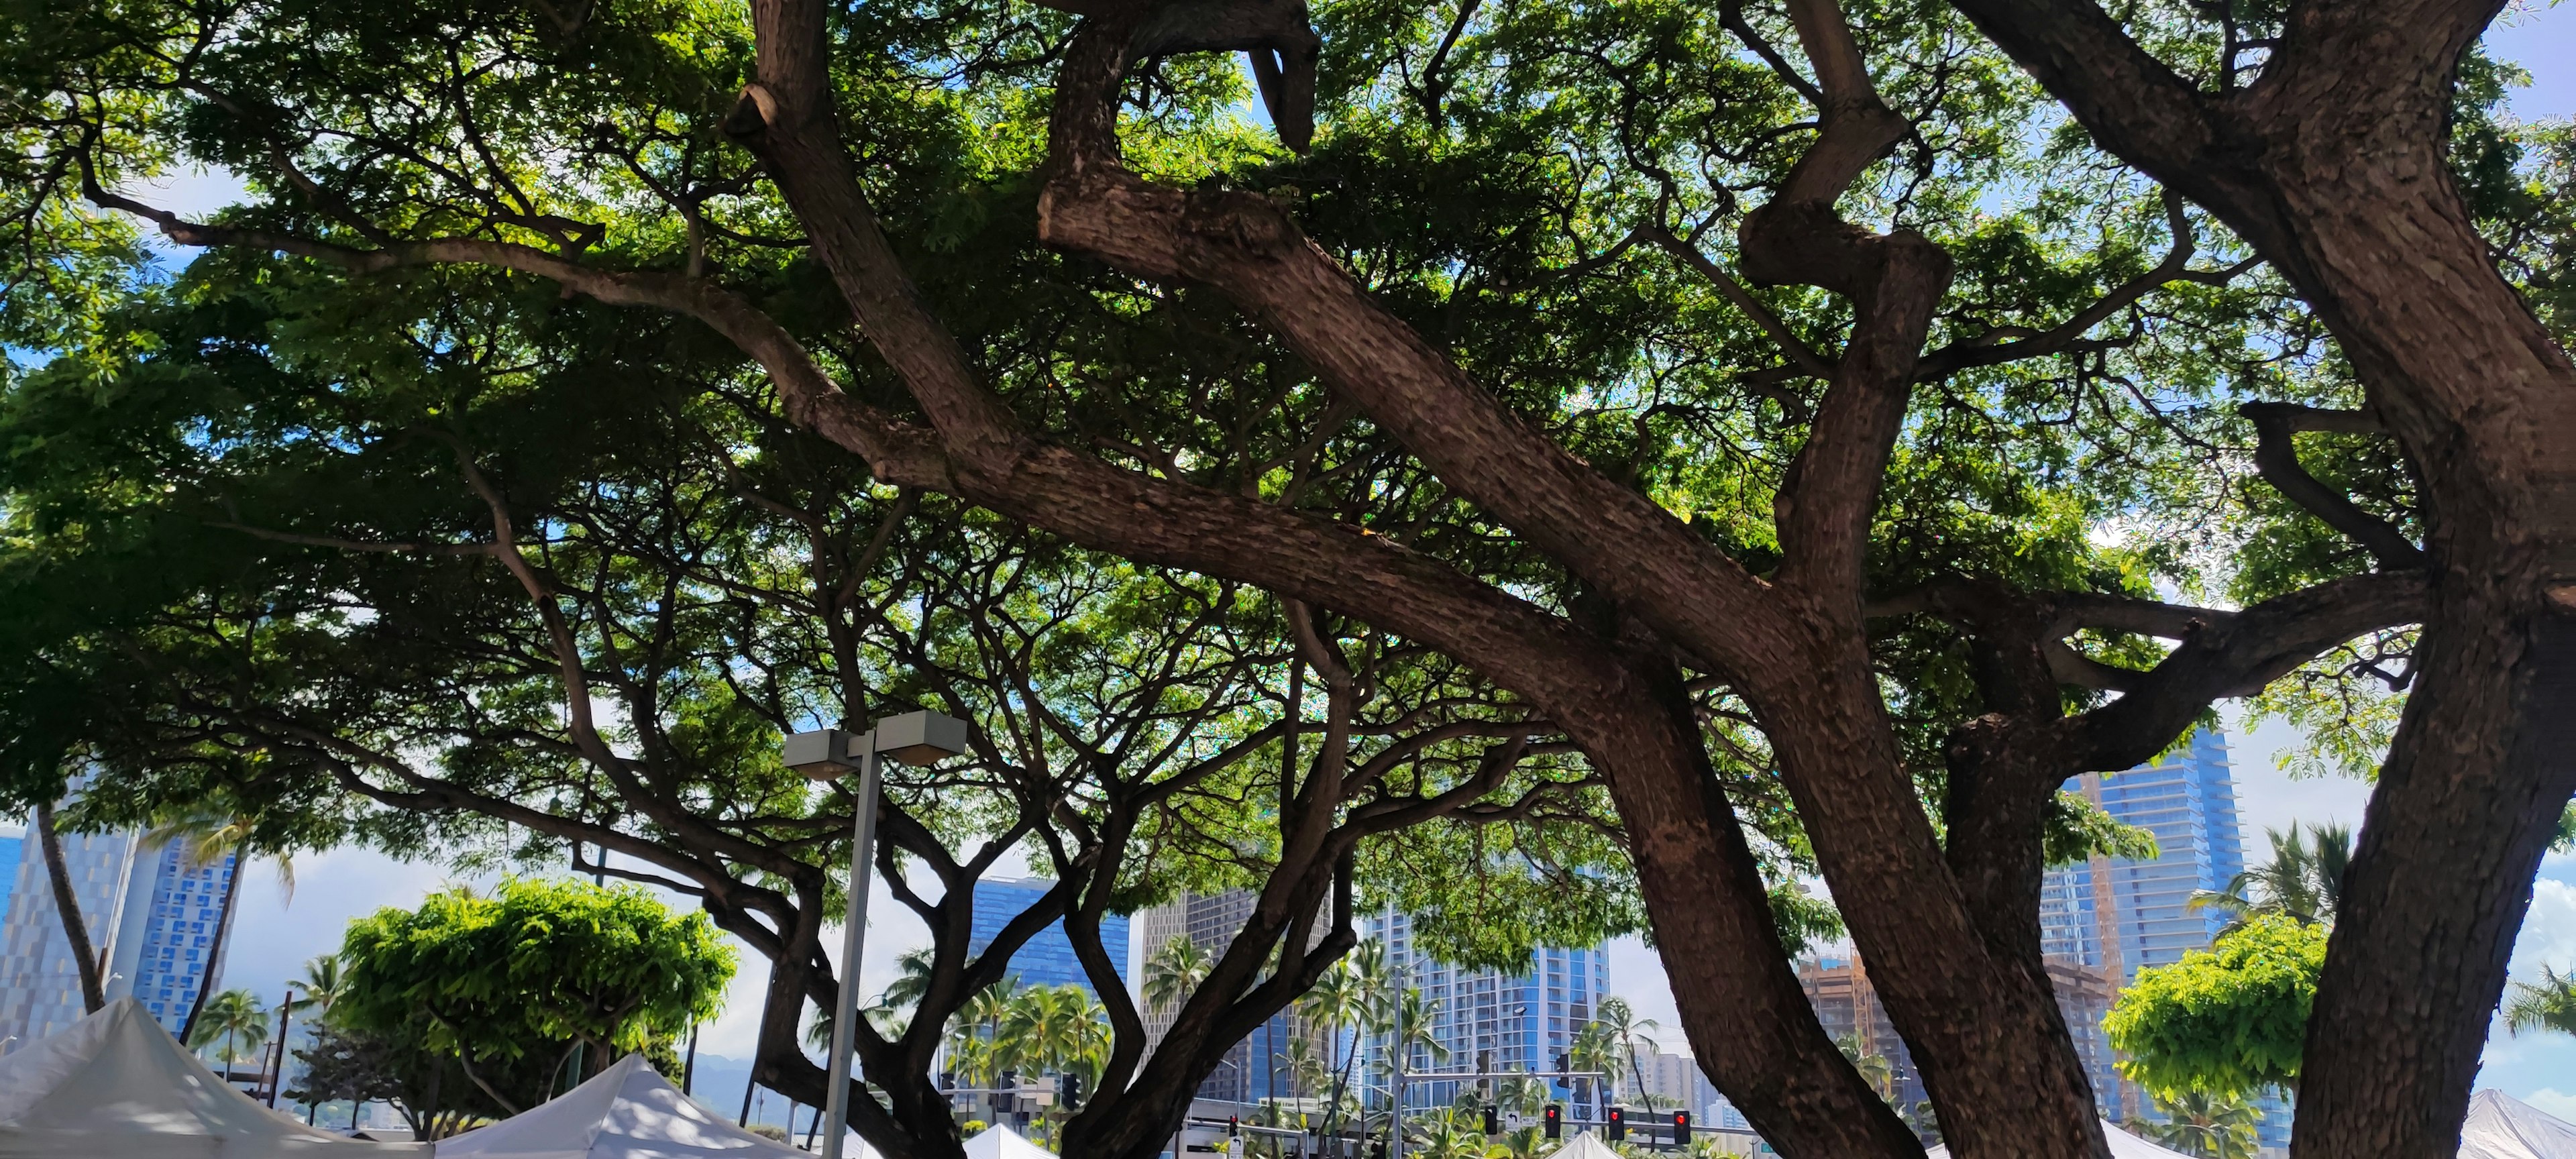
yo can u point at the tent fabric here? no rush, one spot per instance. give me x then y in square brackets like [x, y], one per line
[2123, 1146]
[625, 1112]
[998, 1142]
[1584, 1145]
[116, 1085]
[2503, 1127]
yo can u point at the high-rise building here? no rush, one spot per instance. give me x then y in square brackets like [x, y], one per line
[1672, 1080]
[1046, 959]
[1258, 1067]
[151, 918]
[2115, 916]
[2120, 915]
[1482, 1017]
[8, 873]
[1854, 1018]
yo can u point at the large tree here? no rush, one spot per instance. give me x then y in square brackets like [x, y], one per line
[1814, 546]
[553, 597]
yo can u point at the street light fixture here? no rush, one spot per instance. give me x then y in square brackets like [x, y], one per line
[914, 738]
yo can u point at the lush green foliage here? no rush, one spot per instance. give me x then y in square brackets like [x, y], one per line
[2231, 1020]
[2548, 1004]
[527, 973]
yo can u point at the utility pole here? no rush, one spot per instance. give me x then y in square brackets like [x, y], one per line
[277, 1074]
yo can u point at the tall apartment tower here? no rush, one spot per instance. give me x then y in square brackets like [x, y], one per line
[2120, 915]
[1256, 1068]
[2103, 920]
[1048, 958]
[151, 918]
[1512, 1022]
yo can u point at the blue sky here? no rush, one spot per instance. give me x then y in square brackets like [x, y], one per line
[275, 937]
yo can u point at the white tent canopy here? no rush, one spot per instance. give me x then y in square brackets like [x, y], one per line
[2503, 1127]
[1585, 1145]
[624, 1112]
[116, 1085]
[2123, 1146]
[999, 1142]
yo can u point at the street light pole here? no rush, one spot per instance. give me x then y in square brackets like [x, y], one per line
[854, 932]
[915, 738]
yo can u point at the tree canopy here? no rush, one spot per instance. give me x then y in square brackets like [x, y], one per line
[2229, 1021]
[523, 981]
[1638, 454]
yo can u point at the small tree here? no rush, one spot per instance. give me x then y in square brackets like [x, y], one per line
[530, 973]
[2230, 1020]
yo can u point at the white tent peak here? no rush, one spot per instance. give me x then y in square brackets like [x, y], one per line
[2123, 1146]
[628, 1111]
[1000, 1142]
[2503, 1127]
[1584, 1145]
[116, 1084]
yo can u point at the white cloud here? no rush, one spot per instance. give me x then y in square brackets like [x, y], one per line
[2548, 930]
[2550, 1102]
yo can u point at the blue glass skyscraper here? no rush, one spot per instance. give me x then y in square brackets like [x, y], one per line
[151, 917]
[2122, 915]
[2118, 915]
[1047, 959]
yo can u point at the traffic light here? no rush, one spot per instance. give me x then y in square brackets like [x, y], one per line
[1233, 1127]
[1493, 1122]
[1564, 1063]
[1005, 1086]
[948, 1080]
[1617, 1128]
[1554, 1119]
[1068, 1089]
[1681, 1128]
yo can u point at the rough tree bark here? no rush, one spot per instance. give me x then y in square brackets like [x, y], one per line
[2332, 164]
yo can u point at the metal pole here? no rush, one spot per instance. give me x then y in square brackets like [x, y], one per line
[854, 928]
[689, 1065]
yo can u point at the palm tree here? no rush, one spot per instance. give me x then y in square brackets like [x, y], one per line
[2303, 881]
[1175, 971]
[236, 1018]
[1596, 1049]
[321, 985]
[49, 843]
[2548, 1005]
[206, 832]
[1339, 1000]
[1623, 1026]
[1874, 1069]
[2209, 1126]
[1522, 1094]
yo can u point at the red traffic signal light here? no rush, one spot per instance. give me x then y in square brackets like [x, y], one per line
[1681, 1126]
[1618, 1124]
[1554, 1120]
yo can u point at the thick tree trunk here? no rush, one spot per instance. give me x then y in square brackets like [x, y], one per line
[67, 906]
[1742, 1008]
[2334, 167]
[2485, 757]
[1980, 1021]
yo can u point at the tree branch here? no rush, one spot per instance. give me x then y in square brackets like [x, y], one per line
[2278, 459]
